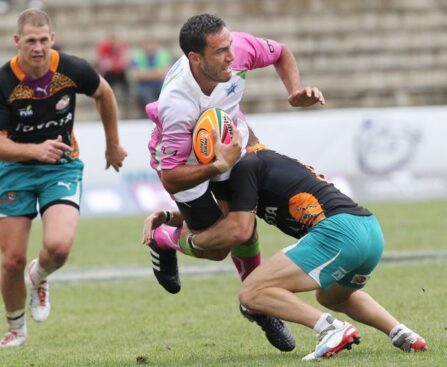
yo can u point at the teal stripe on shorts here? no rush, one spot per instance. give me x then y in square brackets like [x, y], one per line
[343, 248]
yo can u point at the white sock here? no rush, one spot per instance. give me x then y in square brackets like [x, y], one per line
[17, 320]
[325, 321]
[396, 329]
[37, 273]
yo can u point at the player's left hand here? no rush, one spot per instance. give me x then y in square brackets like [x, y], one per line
[152, 222]
[115, 156]
[306, 97]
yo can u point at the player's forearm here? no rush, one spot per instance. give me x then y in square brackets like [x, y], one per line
[288, 71]
[235, 229]
[187, 176]
[15, 152]
[108, 110]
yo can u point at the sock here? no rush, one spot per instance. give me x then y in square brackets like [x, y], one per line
[168, 237]
[37, 273]
[246, 258]
[395, 330]
[325, 322]
[17, 320]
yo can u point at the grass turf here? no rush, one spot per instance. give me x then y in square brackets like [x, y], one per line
[136, 323]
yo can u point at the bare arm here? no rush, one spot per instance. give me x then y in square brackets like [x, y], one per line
[187, 176]
[108, 110]
[288, 71]
[48, 152]
[156, 219]
[234, 229]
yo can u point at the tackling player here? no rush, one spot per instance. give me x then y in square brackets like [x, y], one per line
[340, 244]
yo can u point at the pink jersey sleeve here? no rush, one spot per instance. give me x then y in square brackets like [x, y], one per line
[176, 142]
[252, 52]
[172, 146]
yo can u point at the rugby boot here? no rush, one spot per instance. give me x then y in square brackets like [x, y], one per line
[13, 338]
[165, 268]
[276, 331]
[333, 340]
[407, 340]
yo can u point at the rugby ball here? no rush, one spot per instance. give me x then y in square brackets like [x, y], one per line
[202, 138]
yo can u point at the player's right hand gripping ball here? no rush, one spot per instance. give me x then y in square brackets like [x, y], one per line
[202, 139]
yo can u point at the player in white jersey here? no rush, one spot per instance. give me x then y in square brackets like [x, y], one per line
[212, 73]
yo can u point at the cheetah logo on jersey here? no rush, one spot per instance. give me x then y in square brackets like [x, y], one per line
[26, 112]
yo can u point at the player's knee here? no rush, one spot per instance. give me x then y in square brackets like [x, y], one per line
[13, 263]
[58, 251]
[217, 255]
[241, 235]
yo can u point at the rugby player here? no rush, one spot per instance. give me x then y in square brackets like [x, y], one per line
[212, 73]
[39, 162]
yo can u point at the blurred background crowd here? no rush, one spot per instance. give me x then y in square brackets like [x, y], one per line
[359, 53]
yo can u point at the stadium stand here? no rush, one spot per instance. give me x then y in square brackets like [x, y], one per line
[359, 53]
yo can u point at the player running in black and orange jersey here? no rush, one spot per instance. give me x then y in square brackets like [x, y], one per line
[340, 244]
[39, 162]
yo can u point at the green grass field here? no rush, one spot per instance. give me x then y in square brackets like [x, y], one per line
[131, 323]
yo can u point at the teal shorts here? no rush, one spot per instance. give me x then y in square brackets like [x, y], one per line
[23, 187]
[343, 248]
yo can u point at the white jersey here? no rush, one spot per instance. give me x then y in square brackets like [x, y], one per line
[182, 101]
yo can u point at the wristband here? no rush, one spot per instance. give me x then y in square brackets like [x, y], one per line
[190, 242]
[168, 215]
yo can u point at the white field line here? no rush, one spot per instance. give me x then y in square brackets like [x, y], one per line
[72, 275]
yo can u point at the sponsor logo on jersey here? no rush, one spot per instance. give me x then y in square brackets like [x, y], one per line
[42, 90]
[360, 279]
[270, 215]
[63, 103]
[26, 112]
[24, 128]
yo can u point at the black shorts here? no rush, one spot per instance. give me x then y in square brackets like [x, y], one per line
[204, 211]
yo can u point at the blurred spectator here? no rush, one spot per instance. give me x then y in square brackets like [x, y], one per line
[149, 67]
[112, 61]
[4, 6]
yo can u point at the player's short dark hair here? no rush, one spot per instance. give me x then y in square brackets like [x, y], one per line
[194, 31]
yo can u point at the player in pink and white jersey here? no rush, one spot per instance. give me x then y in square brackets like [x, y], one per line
[212, 73]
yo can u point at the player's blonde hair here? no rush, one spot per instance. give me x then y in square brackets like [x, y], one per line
[33, 17]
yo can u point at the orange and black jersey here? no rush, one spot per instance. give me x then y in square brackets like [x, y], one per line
[34, 110]
[286, 193]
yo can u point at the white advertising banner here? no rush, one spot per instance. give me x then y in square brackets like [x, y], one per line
[372, 154]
